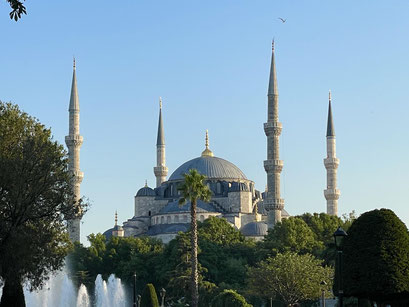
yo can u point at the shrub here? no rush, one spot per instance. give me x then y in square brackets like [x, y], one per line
[149, 297]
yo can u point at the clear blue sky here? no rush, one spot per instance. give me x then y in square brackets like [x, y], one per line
[209, 60]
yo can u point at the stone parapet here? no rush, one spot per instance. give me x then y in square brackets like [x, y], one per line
[275, 166]
[75, 140]
[332, 194]
[331, 163]
[160, 171]
[271, 128]
[274, 204]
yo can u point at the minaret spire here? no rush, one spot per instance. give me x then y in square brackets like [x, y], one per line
[331, 163]
[273, 203]
[160, 170]
[74, 141]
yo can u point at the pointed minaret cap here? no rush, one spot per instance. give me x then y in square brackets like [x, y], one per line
[330, 124]
[74, 101]
[272, 86]
[207, 152]
[161, 135]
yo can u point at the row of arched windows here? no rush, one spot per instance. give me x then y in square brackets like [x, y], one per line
[174, 219]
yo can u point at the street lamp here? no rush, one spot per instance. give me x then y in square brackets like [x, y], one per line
[323, 284]
[134, 290]
[339, 236]
[162, 295]
[139, 300]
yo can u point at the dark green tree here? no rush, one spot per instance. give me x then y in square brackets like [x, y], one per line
[376, 258]
[35, 200]
[149, 297]
[229, 298]
[193, 189]
[290, 278]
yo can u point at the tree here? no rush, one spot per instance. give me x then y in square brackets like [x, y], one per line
[35, 200]
[291, 235]
[193, 188]
[290, 278]
[376, 258]
[18, 9]
[149, 297]
[229, 298]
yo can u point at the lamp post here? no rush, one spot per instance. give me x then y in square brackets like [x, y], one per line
[339, 236]
[323, 284]
[134, 290]
[139, 300]
[162, 295]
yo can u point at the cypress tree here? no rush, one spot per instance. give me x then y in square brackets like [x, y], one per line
[149, 297]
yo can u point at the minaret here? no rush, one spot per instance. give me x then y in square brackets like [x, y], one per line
[74, 141]
[160, 169]
[331, 163]
[273, 203]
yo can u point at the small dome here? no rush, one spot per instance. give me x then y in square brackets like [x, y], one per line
[254, 229]
[146, 191]
[239, 187]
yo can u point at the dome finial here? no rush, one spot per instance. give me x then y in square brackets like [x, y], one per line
[207, 152]
[160, 102]
[116, 218]
[329, 95]
[146, 183]
[73, 65]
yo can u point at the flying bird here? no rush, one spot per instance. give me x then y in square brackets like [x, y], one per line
[283, 20]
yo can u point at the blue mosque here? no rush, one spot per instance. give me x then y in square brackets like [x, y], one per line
[157, 212]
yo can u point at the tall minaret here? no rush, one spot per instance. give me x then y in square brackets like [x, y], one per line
[160, 169]
[331, 163]
[273, 203]
[74, 141]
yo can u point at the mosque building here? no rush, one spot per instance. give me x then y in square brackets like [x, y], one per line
[158, 214]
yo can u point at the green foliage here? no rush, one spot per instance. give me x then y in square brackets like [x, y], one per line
[289, 277]
[193, 187]
[376, 257]
[35, 199]
[229, 298]
[291, 235]
[18, 9]
[149, 297]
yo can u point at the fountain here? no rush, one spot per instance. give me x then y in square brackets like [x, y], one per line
[59, 291]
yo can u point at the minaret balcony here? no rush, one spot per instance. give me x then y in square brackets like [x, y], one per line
[75, 140]
[271, 128]
[78, 176]
[332, 194]
[273, 204]
[160, 170]
[331, 163]
[275, 166]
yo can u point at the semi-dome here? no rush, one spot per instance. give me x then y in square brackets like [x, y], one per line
[146, 191]
[254, 229]
[211, 167]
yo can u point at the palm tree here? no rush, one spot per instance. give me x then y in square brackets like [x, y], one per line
[193, 188]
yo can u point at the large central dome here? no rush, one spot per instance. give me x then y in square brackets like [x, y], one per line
[211, 167]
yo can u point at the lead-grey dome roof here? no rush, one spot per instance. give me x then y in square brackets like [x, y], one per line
[146, 191]
[211, 167]
[254, 229]
[174, 207]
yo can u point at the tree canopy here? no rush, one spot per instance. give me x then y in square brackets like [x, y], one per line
[18, 9]
[376, 257]
[35, 200]
[289, 277]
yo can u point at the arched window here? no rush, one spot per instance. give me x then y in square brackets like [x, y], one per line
[219, 188]
[162, 220]
[168, 219]
[185, 218]
[176, 219]
[202, 218]
[149, 213]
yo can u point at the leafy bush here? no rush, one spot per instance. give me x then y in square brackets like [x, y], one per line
[229, 298]
[149, 297]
